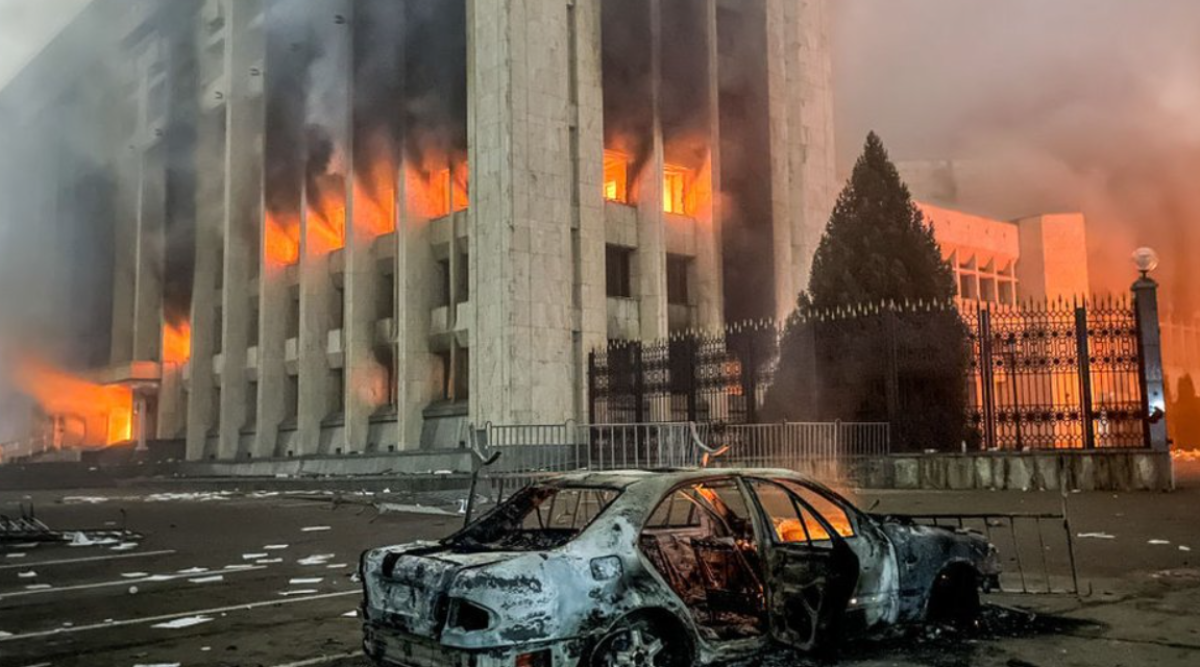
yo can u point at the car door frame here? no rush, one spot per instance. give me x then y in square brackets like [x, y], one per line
[831, 572]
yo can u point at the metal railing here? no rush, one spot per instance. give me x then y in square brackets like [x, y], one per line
[569, 447]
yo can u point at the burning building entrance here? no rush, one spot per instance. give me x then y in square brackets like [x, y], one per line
[353, 226]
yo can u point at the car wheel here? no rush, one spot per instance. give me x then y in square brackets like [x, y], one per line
[639, 643]
[954, 599]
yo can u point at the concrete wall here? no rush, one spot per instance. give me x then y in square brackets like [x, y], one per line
[1025, 471]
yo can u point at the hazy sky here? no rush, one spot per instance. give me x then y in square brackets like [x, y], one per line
[26, 26]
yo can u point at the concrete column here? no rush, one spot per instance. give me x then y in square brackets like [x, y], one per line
[242, 215]
[124, 266]
[415, 267]
[651, 256]
[317, 289]
[588, 233]
[1145, 293]
[202, 381]
[710, 285]
[811, 151]
[781, 61]
[522, 338]
[148, 263]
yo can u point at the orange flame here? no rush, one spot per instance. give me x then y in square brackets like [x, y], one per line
[437, 188]
[108, 407]
[282, 239]
[374, 199]
[327, 213]
[177, 342]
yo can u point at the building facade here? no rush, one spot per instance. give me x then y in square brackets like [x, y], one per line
[342, 227]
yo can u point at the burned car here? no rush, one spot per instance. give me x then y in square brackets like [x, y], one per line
[662, 568]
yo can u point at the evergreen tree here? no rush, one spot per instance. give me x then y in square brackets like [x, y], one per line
[899, 363]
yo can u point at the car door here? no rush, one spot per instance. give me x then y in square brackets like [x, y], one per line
[810, 571]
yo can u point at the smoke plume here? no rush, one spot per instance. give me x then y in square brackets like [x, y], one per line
[1089, 105]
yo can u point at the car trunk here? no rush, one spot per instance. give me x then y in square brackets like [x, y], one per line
[408, 590]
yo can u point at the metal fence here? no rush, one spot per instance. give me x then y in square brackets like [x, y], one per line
[1038, 376]
[571, 447]
[1057, 376]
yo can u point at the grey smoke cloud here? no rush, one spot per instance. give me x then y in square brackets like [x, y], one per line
[1073, 104]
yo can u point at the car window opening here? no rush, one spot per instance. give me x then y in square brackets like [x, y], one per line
[536, 518]
[701, 541]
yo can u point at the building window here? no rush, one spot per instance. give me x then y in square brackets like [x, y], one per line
[462, 374]
[444, 366]
[675, 182]
[293, 316]
[252, 326]
[678, 286]
[616, 177]
[386, 298]
[218, 331]
[291, 398]
[442, 298]
[464, 278]
[252, 406]
[337, 391]
[619, 267]
[337, 315]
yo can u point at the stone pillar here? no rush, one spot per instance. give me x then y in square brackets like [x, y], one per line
[521, 200]
[203, 414]
[803, 162]
[710, 286]
[1145, 294]
[148, 264]
[124, 264]
[243, 213]
[328, 105]
[415, 267]
[588, 231]
[650, 260]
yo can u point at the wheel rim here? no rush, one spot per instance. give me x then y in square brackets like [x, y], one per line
[636, 648]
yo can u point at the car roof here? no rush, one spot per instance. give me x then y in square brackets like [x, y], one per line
[665, 476]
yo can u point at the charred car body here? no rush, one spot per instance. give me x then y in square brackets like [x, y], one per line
[662, 568]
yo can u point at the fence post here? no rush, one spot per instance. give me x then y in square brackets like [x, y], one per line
[693, 412]
[750, 380]
[591, 387]
[639, 384]
[1083, 351]
[987, 379]
[892, 369]
[1154, 406]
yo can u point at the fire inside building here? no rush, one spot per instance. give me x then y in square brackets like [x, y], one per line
[342, 227]
[333, 227]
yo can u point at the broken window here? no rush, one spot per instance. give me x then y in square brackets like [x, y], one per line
[619, 268]
[833, 513]
[616, 177]
[537, 518]
[675, 185]
[701, 542]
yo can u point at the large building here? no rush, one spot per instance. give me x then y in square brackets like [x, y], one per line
[296, 227]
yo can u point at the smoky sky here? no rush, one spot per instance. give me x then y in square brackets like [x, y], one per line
[1089, 105]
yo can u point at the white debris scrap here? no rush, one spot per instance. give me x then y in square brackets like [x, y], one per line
[135, 575]
[1096, 536]
[268, 561]
[5, 634]
[275, 547]
[193, 570]
[38, 587]
[125, 546]
[161, 664]
[253, 556]
[319, 559]
[84, 540]
[207, 580]
[185, 622]
[351, 614]
[305, 581]
[27, 575]
[315, 529]
[302, 591]
[84, 500]
[336, 566]
[1158, 543]
[1183, 548]
[14, 555]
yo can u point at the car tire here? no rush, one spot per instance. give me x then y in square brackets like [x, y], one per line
[640, 642]
[954, 599]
